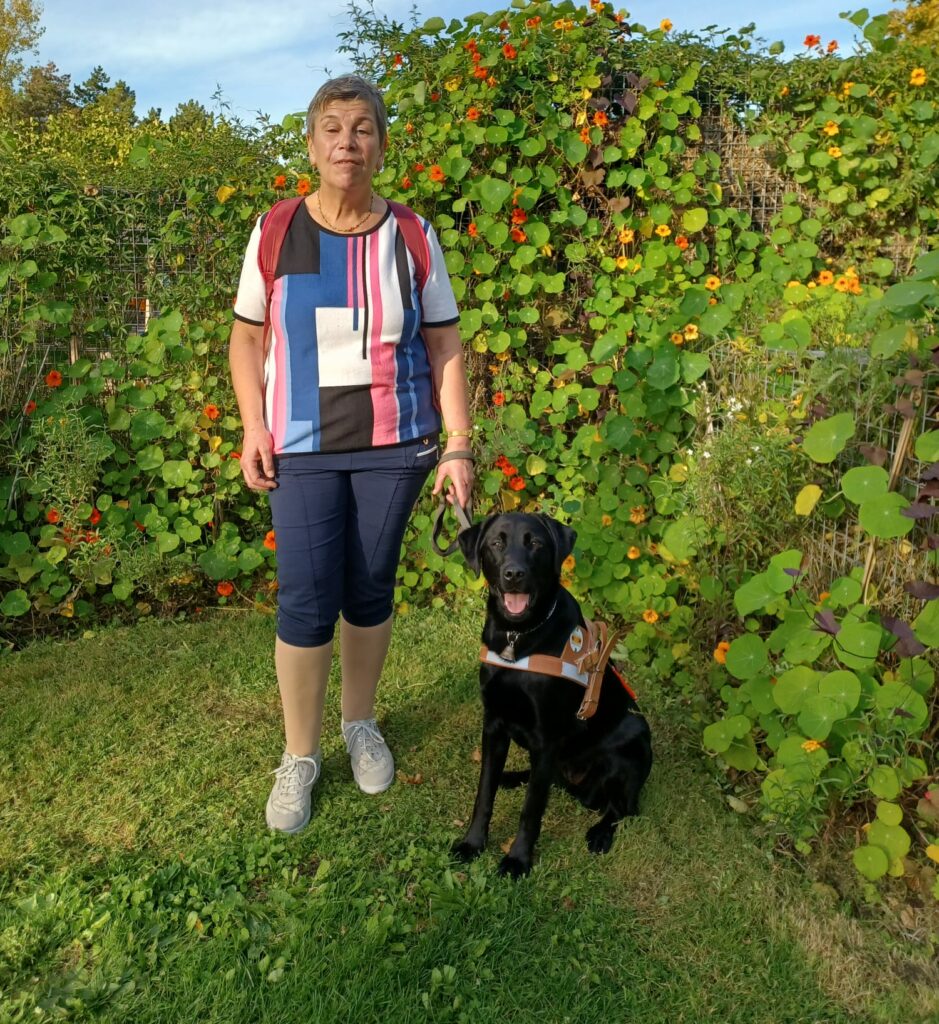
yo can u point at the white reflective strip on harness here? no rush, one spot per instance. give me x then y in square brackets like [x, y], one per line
[541, 663]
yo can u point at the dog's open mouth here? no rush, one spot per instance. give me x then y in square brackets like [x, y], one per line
[516, 604]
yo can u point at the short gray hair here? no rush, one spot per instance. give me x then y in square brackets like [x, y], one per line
[349, 87]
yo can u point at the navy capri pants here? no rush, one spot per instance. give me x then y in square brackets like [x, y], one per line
[339, 520]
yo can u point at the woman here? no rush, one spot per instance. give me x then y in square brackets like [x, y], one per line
[341, 427]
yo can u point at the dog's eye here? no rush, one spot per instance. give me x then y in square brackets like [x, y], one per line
[498, 543]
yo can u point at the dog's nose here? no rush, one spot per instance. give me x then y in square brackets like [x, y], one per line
[512, 575]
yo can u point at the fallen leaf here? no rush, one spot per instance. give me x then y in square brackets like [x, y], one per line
[477, 756]
[507, 845]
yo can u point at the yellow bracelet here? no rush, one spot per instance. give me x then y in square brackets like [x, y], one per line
[459, 433]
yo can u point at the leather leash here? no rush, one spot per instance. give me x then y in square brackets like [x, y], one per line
[463, 515]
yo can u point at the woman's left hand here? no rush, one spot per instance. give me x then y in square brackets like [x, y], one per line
[459, 472]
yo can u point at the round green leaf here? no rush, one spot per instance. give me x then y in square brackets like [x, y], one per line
[818, 715]
[794, 687]
[15, 603]
[167, 542]
[694, 220]
[865, 482]
[150, 458]
[892, 839]
[881, 516]
[927, 446]
[826, 439]
[871, 862]
[889, 814]
[176, 472]
[746, 657]
[902, 706]
[857, 644]
[843, 687]
[883, 782]
[494, 192]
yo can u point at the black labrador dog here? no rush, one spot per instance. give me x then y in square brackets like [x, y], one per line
[602, 761]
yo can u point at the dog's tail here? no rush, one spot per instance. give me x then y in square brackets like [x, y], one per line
[510, 780]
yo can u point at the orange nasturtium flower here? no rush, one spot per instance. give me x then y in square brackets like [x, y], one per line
[665, 25]
[518, 235]
[406, 182]
[637, 514]
[784, 91]
[436, 173]
[472, 230]
[832, 46]
[678, 338]
[280, 181]
[842, 284]
[270, 541]
[682, 242]
[517, 483]
[811, 40]
[831, 128]
[663, 231]
[691, 332]
[498, 398]
[479, 72]
[720, 652]
[472, 114]
[825, 277]
[606, 520]
[568, 564]
[225, 589]
[633, 553]
[510, 52]
[519, 216]
[712, 283]
[622, 262]
[651, 616]
[811, 745]
[53, 379]
[834, 152]
[211, 412]
[585, 135]
[600, 119]
[303, 187]
[52, 515]
[409, 128]
[626, 235]
[918, 77]
[533, 22]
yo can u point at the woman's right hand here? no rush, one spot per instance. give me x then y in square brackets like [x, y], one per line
[257, 460]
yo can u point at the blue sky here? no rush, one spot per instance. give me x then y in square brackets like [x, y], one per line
[271, 57]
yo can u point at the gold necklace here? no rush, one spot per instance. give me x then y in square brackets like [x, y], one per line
[345, 231]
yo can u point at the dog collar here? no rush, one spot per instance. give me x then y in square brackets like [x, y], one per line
[582, 661]
[508, 652]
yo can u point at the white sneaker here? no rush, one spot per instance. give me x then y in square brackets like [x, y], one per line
[288, 806]
[373, 767]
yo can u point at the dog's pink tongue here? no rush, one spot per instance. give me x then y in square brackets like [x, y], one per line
[516, 603]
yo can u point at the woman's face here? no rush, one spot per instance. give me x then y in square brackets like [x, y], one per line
[344, 146]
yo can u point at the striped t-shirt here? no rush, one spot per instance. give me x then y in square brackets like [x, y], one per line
[347, 367]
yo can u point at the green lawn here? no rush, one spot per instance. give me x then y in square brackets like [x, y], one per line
[138, 882]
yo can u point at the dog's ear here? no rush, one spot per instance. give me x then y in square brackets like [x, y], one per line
[470, 542]
[564, 538]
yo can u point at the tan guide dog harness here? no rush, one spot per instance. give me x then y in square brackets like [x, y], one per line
[583, 661]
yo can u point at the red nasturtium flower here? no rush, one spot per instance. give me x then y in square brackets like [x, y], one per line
[418, 167]
[811, 40]
[52, 515]
[519, 216]
[95, 517]
[406, 182]
[303, 187]
[225, 589]
[280, 181]
[472, 114]
[517, 483]
[434, 96]
[510, 52]
[501, 462]
[518, 235]
[682, 242]
[498, 398]
[532, 22]
[508, 469]
[479, 72]
[399, 60]
[472, 230]
[409, 128]
[436, 173]
[53, 378]
[29, 408]
[270, 541]
[211, 412]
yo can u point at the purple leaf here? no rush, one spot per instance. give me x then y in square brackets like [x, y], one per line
[931, 472]
[909, 646]
[902, 712]
[827, 622]
[930, 490]
[932, 541]
[906, 408]
[919, 510]
[874, 454]
[794, 573]
[922, 590]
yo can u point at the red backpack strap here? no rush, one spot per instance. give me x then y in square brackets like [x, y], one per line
[273, 232]
[412, 230]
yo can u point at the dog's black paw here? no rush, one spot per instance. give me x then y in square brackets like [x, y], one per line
[465, 851]
[514, 867]
[600, 838]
